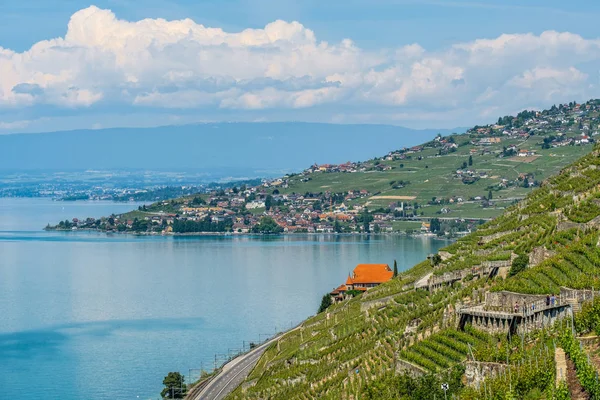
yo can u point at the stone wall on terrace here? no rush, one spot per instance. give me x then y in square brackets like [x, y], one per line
[413, 370]
[476, 372]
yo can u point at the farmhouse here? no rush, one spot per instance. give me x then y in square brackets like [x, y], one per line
[526, 153]
[367, 276]
[363, 277]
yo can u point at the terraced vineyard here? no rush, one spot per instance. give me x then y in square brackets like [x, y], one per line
[359, 348]
[444, 349]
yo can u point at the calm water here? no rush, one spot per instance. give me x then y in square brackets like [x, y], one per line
[91, 316]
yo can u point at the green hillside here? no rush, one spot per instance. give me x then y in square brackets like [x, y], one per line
[433, 175]
[356, 349]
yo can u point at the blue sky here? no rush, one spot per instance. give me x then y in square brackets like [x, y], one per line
[413, 63]
[374, 23]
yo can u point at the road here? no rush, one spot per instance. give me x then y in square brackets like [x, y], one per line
[233, 373]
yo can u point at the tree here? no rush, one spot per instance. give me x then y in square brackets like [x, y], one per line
[325, 303]
[267, 225]
[174, 386]
[490, 195]
[464, 165]
[337, 227]
[196, 201]
[519, 264]
[268, 202]
[435, 225]
[366, 219]
[395, 268]
[470, 160]
[525, 183]
[436, 259]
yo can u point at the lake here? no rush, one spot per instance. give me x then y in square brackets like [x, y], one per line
[97, 316]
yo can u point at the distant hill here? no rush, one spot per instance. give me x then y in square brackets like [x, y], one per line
[237, 147]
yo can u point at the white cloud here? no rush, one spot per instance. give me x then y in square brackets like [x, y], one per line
[155, 63]
[14, 125]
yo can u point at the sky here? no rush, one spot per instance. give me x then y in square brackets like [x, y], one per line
[70, 64]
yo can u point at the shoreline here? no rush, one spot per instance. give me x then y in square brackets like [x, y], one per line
[400, 233]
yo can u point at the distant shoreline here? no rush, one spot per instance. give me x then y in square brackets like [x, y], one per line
[423, 235]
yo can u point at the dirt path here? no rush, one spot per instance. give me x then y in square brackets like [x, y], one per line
[575, 389]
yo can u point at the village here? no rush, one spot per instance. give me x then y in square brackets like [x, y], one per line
[302, 203]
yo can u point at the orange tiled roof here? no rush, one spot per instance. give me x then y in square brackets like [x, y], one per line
[341, 288]
[371, 273]
[349, 281]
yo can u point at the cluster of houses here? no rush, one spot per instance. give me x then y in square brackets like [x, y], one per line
[242, 209]
[565, 118]
[349, 167]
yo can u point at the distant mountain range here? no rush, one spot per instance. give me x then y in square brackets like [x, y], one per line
[244, 149]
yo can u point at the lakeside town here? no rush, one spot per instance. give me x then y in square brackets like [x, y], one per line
[308, 202]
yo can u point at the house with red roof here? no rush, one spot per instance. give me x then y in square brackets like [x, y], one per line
[364, 277]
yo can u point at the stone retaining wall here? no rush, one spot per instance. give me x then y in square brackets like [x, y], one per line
[367, 305]
[476, 372]
[494, 236]
[539, 254]
[496, 264]
[413, 370]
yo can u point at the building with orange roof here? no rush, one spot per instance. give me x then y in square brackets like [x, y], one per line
[369, 275]
[339, 293]
[364, 276]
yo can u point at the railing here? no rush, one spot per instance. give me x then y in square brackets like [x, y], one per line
[579, 294]
[541, 305]
[525, 309]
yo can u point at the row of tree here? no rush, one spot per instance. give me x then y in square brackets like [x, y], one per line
[205, 225]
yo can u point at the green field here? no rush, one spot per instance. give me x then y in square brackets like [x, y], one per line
[434, 176]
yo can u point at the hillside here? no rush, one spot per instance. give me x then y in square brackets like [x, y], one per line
[402, 341]
[458, 179]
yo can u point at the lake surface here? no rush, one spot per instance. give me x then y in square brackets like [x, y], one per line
[95, 316]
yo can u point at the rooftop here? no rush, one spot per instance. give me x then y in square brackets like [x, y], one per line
[371, 273]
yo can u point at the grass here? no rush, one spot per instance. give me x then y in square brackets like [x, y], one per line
[406, 225]
[433, 176]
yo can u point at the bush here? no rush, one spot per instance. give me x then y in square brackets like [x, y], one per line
[588, 320]
[519, 264]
